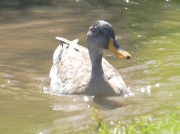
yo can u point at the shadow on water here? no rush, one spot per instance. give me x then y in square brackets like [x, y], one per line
[108, 103]
[25, 3]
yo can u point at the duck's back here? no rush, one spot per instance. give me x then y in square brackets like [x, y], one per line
[71, 72]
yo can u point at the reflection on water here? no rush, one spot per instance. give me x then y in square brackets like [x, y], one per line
[149, 30]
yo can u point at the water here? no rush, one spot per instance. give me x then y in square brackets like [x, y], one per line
[148, 30]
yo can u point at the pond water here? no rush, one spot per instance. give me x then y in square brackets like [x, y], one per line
[149, 30]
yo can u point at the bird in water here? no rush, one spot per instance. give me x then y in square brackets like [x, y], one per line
[78, 70]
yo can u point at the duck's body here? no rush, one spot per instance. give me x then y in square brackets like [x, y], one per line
[75, 72]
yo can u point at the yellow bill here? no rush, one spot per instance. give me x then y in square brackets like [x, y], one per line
[116, 49]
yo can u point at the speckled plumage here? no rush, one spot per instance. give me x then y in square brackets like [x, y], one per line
[72, 73]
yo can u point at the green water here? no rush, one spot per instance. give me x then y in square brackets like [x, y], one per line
[149, 30]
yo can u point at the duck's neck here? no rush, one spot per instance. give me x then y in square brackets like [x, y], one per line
[96, 60]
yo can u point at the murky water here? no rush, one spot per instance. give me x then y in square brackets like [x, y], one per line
[150, 31]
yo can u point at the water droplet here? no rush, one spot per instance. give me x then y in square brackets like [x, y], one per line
[111, 122]
[86, 98]
[131, 94]
[148, 87]
[157, 85]
[142, 89]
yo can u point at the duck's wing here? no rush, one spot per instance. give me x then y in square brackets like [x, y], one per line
[113, 77]
[71, 69]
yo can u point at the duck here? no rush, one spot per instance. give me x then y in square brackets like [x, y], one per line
[84, 71]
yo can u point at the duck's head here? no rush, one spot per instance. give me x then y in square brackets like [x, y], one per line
[101, 36]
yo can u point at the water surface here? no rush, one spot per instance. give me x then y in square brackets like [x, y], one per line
[150, 31]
